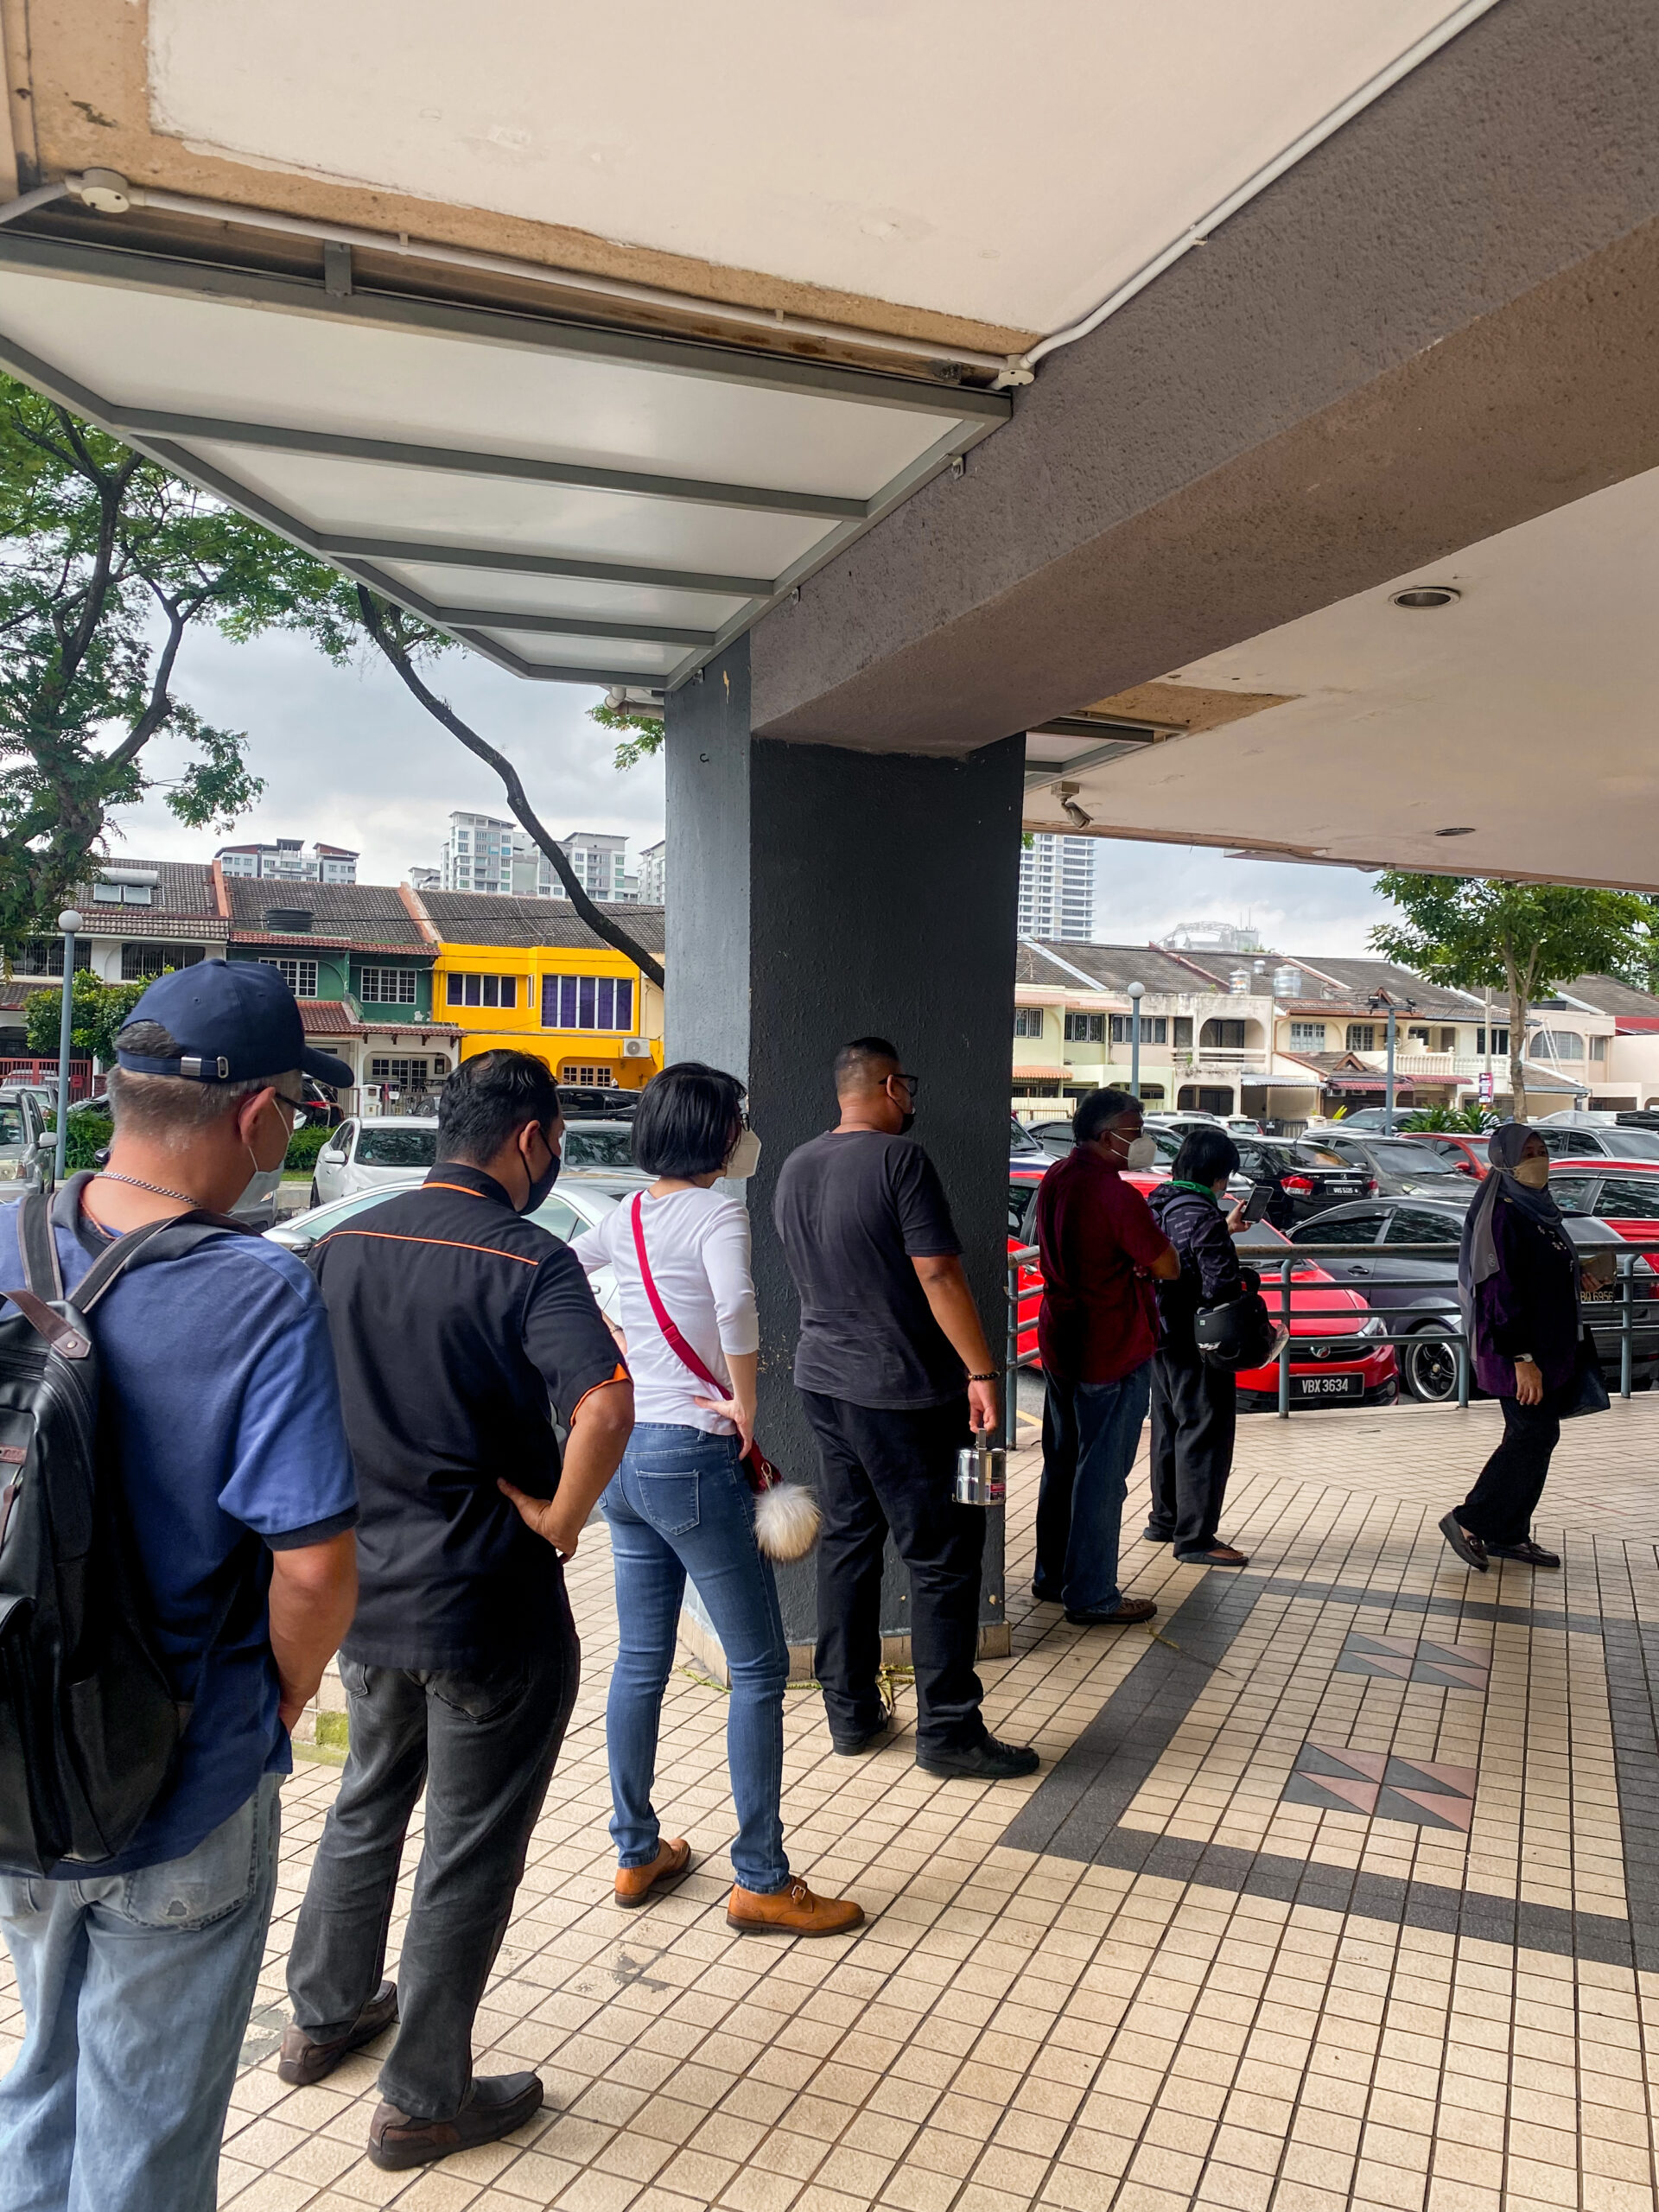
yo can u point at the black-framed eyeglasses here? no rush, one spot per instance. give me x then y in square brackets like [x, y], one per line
[911, 1083]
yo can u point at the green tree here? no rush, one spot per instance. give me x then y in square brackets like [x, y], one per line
[97, 1010]
[643, 732]
[1518, 938]
[107, 561]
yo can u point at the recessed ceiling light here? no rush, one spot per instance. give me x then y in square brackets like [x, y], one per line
[1422, 595]
[1465, 831]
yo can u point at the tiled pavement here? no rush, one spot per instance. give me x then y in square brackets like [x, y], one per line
[1174, 1969]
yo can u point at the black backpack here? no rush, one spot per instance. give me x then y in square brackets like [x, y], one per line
[89, 1723]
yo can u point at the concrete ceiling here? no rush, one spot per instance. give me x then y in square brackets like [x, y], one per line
[1525, 713]
[926, 152]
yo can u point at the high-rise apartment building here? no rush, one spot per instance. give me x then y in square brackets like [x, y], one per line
[485, 853]
[286, 859]
[601, 863]
[653, 874]
[1056, 888]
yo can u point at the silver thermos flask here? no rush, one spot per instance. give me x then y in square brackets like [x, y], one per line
[981, 1472]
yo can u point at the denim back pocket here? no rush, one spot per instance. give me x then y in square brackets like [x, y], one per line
[204, 1885]
[668, 1498]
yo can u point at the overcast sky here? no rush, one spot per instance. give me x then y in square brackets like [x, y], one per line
[349, 758]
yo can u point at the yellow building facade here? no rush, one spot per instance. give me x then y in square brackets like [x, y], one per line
[528, 973]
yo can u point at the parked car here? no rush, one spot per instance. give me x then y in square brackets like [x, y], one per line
[1400, 1167]
[1582, 1139]
[1465, 1155]
[1419, 1296]
[1305, 1176]
[564, 1213]
[22, 1127]
[364, 1155]
[1362, 1117]
[1021, 1143]
[598, 1144]
[1623, 1194]
[1347, 1366]
[1055, 1137]
[596, 1103]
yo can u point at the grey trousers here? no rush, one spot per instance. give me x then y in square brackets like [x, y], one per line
[483, 1746]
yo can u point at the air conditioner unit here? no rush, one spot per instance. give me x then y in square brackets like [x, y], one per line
[636, 1048]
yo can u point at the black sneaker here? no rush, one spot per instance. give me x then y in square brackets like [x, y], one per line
[496, 2104]
[307, 2058]
[852, 1747]
[986, 1761]
[1468, 1546]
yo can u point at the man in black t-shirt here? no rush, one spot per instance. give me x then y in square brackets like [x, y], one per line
[894, 1368]
[456, 1323]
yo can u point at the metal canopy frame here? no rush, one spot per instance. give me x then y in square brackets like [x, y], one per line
[972, 415]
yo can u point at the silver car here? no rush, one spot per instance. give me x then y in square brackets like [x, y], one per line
[374, 1155]
[564, 1214]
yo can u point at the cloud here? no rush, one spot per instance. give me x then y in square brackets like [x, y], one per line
[348, 757]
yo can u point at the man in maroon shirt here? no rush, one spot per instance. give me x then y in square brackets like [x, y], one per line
[1096, 1333]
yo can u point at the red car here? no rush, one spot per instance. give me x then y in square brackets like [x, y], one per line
[1353, 1367]
[1464, 1156]
[1622, 1193]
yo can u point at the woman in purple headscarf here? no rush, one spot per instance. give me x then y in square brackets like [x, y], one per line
[1518, 1276]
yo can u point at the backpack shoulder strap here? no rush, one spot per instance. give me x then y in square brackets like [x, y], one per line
[38, 1247]
[183, 1232]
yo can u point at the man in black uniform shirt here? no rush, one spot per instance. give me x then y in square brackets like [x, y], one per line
[892, 1368]
[454, 1322]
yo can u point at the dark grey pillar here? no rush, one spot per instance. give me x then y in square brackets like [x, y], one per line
[816, 894]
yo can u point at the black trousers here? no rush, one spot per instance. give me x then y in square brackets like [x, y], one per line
[1194, 1419]
[1499, 1508]
[483, 1746]
[888, 1469]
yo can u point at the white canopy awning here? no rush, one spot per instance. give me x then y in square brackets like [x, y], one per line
[578, 502]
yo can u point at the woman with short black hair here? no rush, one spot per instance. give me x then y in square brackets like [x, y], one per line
[680, 1503]
[1194, 1406]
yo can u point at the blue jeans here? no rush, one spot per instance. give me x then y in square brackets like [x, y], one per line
[137, 1990]
[1091, 1431]
[680, 1505]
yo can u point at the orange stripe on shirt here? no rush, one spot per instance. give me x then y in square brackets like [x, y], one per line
[449, 1243]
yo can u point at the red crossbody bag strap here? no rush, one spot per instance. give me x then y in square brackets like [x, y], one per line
[677, 1343]
[761, 1472]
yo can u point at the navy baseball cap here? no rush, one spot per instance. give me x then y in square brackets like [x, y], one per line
[233, 1021]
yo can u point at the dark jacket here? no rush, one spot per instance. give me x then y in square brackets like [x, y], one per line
[1531, 1306]
[1210, 1273]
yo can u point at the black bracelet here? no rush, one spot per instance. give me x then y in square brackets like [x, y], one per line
[992, 1377]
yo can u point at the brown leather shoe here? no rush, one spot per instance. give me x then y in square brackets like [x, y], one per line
[1126, 1615]
[637, 1886]
[495, 2104]
[305, 2059]
[793, 1911]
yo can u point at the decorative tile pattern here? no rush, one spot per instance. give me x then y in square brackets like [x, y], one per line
[1337, 1778]
[1219, 1998]
[1456, 1666]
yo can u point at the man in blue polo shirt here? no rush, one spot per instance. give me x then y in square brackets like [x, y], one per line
[222, 1416]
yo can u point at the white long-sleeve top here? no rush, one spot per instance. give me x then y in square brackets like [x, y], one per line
[698, 1246]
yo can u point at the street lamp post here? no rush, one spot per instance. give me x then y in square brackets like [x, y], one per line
[1388, 1108]
[68, 922]
[1137, 991]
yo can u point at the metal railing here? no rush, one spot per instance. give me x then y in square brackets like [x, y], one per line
[1629, 1294]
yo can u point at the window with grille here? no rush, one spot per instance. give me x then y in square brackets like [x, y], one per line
[587, 1002]
[402, 1072]
[300, 975]
[1027, 1021]
[1500, 1040]
[1309, 1034]
[1559, 1044]
[140, 962]
[44, 956]
[482, 990]
[1224, 1036]
[1084, 1028]
[1154, 1028]
[1362, 1037]
[588, 1078]
[389, 986]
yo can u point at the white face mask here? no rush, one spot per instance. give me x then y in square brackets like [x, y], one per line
[745, 1158]
[1141, 1153]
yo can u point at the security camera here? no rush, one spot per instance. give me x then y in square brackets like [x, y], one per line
[1075, 813]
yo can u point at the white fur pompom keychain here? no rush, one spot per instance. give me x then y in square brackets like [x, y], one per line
[786, 1517]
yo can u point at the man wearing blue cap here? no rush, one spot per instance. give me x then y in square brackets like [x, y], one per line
[223, 1428]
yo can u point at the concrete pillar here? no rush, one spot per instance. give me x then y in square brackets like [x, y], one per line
[816, 894]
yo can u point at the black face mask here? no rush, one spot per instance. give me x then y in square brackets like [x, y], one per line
[907, 1122]
[541, 1185]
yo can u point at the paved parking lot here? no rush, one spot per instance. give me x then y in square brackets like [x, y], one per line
[1340, 1890]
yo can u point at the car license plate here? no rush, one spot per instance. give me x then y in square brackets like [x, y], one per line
[1327, 1386]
